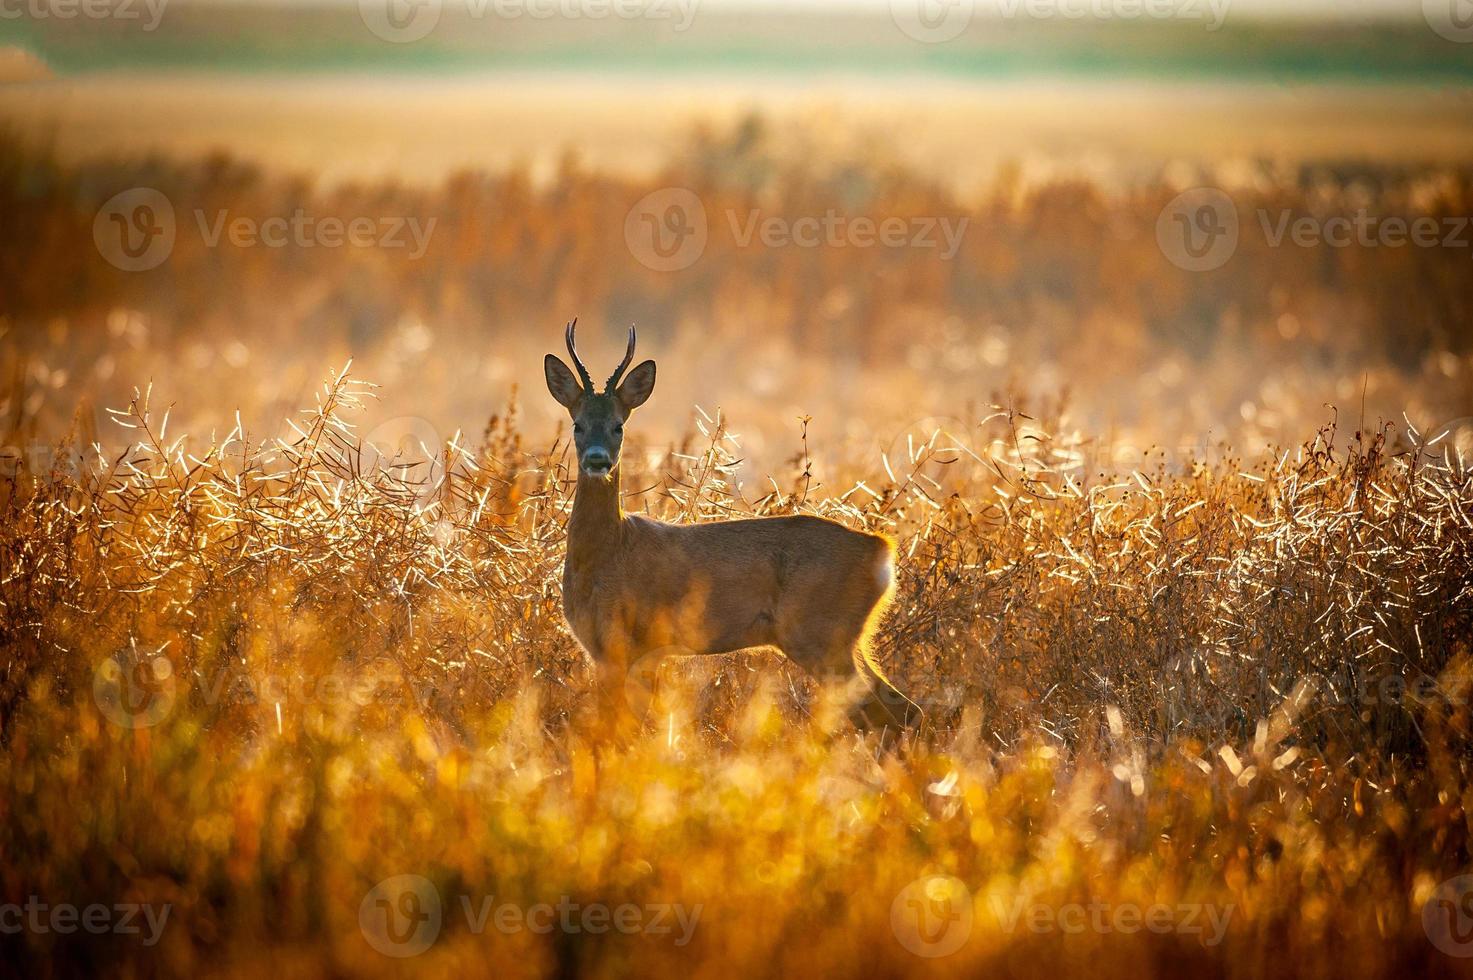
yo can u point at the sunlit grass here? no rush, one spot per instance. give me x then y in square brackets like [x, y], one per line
[1190, 711]
[253, 681]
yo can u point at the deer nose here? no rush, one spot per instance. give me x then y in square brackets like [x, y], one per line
[597, 461]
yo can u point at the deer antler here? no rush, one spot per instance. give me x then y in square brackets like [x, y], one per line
[619, 371]
[573, 353]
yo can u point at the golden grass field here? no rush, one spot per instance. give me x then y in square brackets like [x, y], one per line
[1185, 584]
[371, 127]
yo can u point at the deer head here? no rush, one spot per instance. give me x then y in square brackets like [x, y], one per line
[598, 417]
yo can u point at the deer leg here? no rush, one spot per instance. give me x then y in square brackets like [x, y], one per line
[610, 710]
[827, 630]
[881, 705]
[874, 704]
[839, 655]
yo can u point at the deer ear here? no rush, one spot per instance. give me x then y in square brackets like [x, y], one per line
[560, 381]
[635, 390]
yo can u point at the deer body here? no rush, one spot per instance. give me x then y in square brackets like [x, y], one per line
[808, 586]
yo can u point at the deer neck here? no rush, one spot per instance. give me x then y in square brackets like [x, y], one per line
[593, 527]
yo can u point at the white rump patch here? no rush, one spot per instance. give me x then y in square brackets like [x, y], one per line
[885, 572]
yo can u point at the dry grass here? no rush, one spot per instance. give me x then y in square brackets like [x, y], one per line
[1057, 286]
[1164, 689]
[252, 677]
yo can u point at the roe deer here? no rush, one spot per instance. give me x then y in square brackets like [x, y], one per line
[809, 586]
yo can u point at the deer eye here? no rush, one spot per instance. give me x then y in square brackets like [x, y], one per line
[577, 426]
[619, 429]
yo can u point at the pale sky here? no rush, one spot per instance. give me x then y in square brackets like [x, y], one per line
[1329, 9]
[1318, 8]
